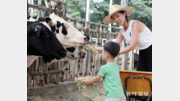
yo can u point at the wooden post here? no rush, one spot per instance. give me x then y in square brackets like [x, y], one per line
[131, 60]
[36, 77]
[126, 56]
[56, 75]
[123, 57]
[99, 34]
[81, 70]
[29, 78]
[86, 64]
[75, 23]
[65, 10]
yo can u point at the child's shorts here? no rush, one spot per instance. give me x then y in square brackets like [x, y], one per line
[116, 99]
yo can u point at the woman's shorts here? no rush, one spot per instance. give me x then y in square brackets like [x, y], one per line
[145, 60]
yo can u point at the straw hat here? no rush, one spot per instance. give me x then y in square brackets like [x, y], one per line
[114, 9]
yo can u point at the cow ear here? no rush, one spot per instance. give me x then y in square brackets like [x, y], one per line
[47, 19]
[58, 24]
[37, 30]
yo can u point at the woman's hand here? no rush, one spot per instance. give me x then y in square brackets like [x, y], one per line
[99, 48]
[119, 38]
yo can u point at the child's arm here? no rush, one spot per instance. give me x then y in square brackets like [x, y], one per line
[93, 80]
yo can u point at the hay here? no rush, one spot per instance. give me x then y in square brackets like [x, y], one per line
[81, 85]
[90, 48]
[84, 89]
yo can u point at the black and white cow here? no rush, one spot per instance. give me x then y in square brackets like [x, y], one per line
[66, 33]
[41, 41]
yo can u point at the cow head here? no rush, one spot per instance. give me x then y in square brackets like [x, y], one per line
[42, 41]
[67, 34]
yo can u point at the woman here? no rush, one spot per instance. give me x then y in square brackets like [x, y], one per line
[135, 32]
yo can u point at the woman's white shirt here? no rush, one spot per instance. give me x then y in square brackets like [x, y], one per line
[144, 38]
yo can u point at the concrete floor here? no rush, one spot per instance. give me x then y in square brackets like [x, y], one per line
[66, 92]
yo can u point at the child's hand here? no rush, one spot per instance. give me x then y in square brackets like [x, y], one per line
[86, 82]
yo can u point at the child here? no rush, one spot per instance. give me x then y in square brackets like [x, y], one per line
[109, 73]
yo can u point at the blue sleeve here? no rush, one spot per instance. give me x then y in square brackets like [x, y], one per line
[102, 72]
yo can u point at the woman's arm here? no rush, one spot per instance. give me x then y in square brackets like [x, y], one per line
[99, 48]
[134, 38]
[118, 39]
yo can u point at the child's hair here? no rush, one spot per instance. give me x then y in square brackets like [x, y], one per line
[112, 48]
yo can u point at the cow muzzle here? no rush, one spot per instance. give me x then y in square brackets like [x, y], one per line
[86, 39]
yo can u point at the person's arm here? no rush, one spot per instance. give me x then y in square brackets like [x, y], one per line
[93, 80]
[118, 39]
[134, 38]
[99, 48]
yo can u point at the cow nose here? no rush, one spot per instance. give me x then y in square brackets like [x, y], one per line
[86, 38]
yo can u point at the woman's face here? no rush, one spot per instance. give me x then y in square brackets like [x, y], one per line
[119, 18]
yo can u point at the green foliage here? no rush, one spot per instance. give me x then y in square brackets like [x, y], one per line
[99, 9]
[36, 2]
[76, 9]
[142, 12]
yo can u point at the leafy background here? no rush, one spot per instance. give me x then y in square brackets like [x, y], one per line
[99, 9]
